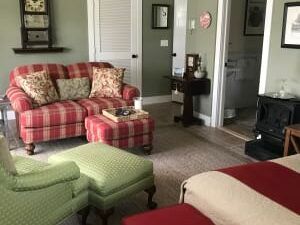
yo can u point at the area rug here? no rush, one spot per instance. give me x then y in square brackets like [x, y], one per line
[178, 154]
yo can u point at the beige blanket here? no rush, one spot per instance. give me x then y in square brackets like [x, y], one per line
[228, 201]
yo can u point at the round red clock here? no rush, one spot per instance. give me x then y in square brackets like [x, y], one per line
[205, 20]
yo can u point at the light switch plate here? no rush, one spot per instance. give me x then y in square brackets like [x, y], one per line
[164, 43]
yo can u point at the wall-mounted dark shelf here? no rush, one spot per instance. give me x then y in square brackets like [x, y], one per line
[38, 50]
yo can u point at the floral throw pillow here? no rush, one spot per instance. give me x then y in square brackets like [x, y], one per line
[39, 87]
[107, 82]
[73, 89]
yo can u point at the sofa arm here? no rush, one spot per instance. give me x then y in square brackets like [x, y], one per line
[20, 101]
[46, 177]
[130, 92]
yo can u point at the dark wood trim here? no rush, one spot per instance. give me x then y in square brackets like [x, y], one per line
[148, 149]
[38, 50]
[105, 214]
[190, 87]
[84, 215]
[151, 191]
[286, 6]
[30, 148]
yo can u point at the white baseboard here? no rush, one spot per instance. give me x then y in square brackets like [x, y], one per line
[157, 99]
[205, 118]
[10, 115]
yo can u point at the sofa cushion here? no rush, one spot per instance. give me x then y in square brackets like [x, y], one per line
[6, 159]
[106, 129]
[107, 82]
[59, 113]
[73, 89]
[95, 106]
[85, 69]
[39, 87]
[55, 71]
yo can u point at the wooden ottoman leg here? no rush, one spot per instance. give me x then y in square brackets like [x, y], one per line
[84, 214]
[151, 191]
[148, 149]
[104, 214]
[30, 148]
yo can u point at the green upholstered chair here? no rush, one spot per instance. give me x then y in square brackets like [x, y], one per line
[114, 175]
[35, 193]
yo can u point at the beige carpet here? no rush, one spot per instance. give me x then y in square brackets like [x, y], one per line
[178, 154]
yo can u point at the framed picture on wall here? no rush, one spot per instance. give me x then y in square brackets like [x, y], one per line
[160, 16]
[291, 25]
[255, 17]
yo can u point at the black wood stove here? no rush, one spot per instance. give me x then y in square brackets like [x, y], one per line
[272, 116]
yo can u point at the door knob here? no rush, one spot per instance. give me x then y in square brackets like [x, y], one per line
[174, 54]
[134, 56]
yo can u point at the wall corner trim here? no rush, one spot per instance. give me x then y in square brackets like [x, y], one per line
[266, 47]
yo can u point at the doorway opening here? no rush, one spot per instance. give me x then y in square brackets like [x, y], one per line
[245, 44]
[242, 52]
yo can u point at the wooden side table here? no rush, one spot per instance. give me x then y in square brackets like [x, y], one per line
[4, 105]
[291, 136]
[190, 87]
[4, 127]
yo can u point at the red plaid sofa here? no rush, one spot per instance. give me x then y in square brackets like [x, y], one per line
[61, 119]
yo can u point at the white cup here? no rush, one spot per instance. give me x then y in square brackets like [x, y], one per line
[138, 103]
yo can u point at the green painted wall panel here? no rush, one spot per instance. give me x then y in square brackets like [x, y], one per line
[284, 63]
[157, 61]
[203, 41]
[70, 31]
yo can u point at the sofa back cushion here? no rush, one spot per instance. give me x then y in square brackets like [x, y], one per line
[74, 89]
[85, 69]
[55, 71]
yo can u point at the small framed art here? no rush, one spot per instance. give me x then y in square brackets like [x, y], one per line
[160, 16]
[255, 17]
[291, 25]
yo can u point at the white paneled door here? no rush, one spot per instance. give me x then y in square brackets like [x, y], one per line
[179, 39]
[115, 35]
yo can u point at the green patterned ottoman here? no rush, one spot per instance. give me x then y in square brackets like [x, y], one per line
[113, 174]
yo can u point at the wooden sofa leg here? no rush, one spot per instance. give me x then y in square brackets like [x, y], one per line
[148, 149]
[151, 191]
[84, 215]
[105, 214]
[30, 148]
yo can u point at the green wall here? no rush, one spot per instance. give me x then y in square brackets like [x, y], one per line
[284, 63]
[203, 41]
[238, 42]
[157, 61]
[70, 31]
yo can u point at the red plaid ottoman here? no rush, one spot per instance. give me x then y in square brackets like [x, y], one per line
[183, 214]
[134, 133]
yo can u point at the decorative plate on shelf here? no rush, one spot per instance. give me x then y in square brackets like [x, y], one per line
[205, 20]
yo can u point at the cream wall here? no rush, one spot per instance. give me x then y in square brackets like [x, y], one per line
[284, 63]
[237, 41]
